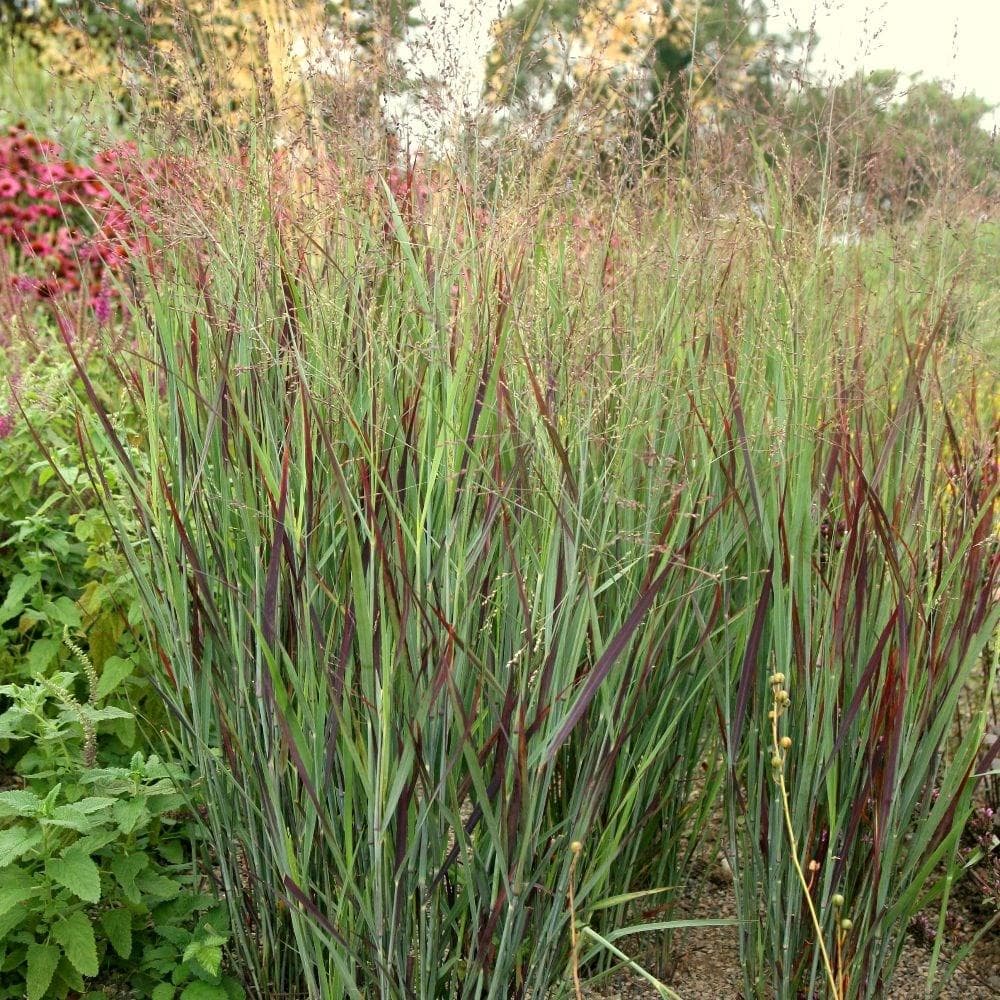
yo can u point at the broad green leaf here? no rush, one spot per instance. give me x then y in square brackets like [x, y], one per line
[106, 714]
[42, 962]
[94, 803]
[204, 991]
[125, 868]
[16, 841]
[41, 655]
[83, 815]
[159, 887]
[91, 843]
[163, 992]
[205, 954]
[63, 610]
[128, 813]
[117, 926]
[16, 885]
[233, 989]
[78, 873]
[11, 919]
[125, 730]
[69, 976]
[76, 935]
[72, 818]
[19, 588]
[16, 724]
[115, 671]
[19, 802]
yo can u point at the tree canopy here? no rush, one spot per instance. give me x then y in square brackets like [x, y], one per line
[653, 62]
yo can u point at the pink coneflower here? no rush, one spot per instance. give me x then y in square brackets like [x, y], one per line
[52, 173]
[10, 187]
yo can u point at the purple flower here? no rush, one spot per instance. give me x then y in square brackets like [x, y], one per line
[102, 306]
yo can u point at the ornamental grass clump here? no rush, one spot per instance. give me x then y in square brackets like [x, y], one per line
[469, 552]
[431, 585]
[867, 469]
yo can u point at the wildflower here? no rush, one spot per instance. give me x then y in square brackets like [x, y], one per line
[102, 306]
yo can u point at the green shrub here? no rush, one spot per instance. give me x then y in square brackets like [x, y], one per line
[97, 882]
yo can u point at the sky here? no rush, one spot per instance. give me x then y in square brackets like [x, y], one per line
[954, 40]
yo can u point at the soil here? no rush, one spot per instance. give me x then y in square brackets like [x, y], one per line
[708, 964]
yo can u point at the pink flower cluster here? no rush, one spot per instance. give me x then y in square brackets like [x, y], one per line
[62, 223]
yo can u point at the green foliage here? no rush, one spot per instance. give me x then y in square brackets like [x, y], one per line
[96, 873]
[59, 563]
[890, 148]
[487, 539]
[641, 66]
[398, 742]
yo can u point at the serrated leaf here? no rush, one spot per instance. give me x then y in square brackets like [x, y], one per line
[41, 655]
[163, 992]
[115, 671]
[67, 976]
[125, 868]
[11, 919]
[94, 803]
[160, 887]
[83, 815]
[76, 935]
[19, 802]
[207, 956]
[128, 813]
[17, 841]
[204, 991]
[177, 936]
[16, 886]
[78, 873]
[19, 588]
[70, 818]
[117, 926]
[15, 724]
[42, 962]
[93, 842]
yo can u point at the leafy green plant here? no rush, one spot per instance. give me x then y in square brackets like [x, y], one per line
[97, 882]
[60, 566]
[94, 868]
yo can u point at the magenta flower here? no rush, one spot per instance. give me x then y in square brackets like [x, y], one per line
[63, 224]
[102, 306]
